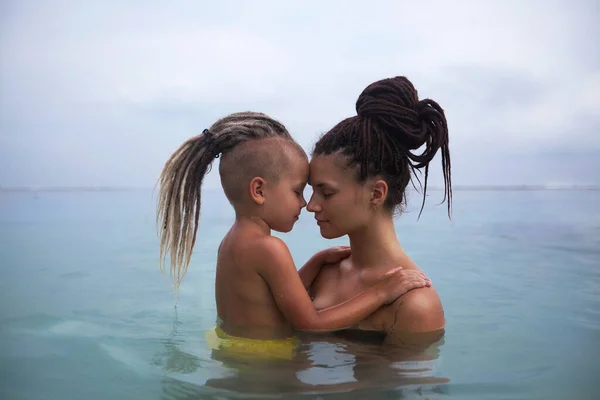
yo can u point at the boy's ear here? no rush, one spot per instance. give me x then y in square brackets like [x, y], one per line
[379, 192]
[257, 187]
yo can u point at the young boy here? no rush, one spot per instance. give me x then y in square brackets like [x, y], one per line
[259, 292]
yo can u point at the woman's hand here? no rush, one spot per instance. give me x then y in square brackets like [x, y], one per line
[334, 254]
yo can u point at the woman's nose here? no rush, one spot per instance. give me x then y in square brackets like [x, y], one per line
[313, 206]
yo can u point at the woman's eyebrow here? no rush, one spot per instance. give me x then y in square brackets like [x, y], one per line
[318, 184]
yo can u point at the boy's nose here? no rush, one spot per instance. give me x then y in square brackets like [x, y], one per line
[303, 202]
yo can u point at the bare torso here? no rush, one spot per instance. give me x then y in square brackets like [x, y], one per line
[239, 290]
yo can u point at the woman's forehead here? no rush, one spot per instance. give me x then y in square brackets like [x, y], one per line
[328, 169]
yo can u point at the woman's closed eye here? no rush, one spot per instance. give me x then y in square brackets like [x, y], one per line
[326, 192]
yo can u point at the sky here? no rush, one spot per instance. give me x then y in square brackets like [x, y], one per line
[101, 93]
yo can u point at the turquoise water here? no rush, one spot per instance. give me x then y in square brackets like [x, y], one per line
[85, 313]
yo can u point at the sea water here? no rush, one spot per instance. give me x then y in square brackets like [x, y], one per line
[86, 314]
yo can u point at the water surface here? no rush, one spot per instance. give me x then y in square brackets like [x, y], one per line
[84, 312]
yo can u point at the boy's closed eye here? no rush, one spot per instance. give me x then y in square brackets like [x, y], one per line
[300, 189]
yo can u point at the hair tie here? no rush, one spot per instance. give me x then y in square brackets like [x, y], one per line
[210, 142]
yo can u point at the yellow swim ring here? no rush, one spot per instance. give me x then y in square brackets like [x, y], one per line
[258, 349]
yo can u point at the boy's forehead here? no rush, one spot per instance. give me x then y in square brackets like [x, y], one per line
[299, 168]
[299, 162]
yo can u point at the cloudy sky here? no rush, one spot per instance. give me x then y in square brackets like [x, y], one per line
[100, 93]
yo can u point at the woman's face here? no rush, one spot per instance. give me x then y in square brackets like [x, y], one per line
[341, 204]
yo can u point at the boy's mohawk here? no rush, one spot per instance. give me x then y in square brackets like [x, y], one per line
[179, 200]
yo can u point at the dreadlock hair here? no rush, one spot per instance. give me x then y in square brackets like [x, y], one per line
[391, 123]
[246, 142]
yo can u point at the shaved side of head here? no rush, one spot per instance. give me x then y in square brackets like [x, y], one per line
[268, 158]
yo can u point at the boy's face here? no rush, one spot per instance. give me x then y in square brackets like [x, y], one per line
[285, 200]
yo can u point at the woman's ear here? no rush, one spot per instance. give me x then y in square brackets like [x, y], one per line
[379, 193]
[257, 186]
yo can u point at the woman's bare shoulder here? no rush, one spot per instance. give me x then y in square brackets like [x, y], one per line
[419, 310]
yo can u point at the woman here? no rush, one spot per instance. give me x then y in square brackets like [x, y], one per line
[359, 173]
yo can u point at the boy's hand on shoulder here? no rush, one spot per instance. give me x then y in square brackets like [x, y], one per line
[334, 254]
[399, 281]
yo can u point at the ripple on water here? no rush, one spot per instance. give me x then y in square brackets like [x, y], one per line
[327, 365]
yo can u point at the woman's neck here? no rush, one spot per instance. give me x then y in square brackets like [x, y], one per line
[376, 245]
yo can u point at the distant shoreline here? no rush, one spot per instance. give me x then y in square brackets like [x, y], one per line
[432, 188]
[74, 189]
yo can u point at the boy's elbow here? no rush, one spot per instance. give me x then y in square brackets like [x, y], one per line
[315, 324]
[305, 323]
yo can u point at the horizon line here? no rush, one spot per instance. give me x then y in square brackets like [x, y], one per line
[475, 187]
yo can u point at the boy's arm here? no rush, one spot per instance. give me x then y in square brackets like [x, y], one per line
[278, 270]
[311, 269]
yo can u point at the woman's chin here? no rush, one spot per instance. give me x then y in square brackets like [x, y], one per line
[328, 234]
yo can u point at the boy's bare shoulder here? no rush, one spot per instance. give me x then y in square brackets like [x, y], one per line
[264, 248]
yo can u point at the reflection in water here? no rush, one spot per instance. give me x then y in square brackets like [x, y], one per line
[365, 361]
[348, 364]
[173, 359]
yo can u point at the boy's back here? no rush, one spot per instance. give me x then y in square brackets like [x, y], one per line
[244, 300]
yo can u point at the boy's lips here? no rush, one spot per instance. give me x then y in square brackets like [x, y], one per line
[321, 221]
